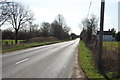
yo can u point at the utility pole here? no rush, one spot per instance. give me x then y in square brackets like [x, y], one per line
[101, 36]
[119, 43]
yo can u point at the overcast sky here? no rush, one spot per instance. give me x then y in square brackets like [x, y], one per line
[73, 11]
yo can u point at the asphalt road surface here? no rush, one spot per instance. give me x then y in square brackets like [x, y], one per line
[49, 61]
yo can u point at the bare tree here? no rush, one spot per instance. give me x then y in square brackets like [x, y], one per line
[90, 26]
[59, 28]
[4, 11]
[61, 21]
[34, 31]
[8, 34]
[66, 29]
[18, 17]
[45, 29]
[55, 30]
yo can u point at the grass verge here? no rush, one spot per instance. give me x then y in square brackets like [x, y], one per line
[87, 63]
[24, 46]
[11, 42]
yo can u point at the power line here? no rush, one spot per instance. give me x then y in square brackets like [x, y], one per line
[89, 9]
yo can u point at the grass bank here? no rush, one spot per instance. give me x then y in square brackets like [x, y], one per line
[87, 63]
[11, 42]
[24, 46]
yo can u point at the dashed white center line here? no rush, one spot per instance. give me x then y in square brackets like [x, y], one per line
[21, 61]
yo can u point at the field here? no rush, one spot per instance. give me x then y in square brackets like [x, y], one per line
[11, 42]
[110, 59]
[111, 46]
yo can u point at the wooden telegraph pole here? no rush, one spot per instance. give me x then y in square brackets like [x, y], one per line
[119, 43]
[101, 36]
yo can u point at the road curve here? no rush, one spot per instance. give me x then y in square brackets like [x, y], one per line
[49, 61]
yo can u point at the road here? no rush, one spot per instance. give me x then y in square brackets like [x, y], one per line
[49, 61]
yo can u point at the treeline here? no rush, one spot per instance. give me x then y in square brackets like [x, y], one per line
[117, 36]
[57, 29]
[23, 27]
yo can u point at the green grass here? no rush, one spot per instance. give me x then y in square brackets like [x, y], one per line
[87, 63]
[112, 75]
[110, 46]
[11, 41]
[23, 46]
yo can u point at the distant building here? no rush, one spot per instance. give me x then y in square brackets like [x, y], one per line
[107, 36]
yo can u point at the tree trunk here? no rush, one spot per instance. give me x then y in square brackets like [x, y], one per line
[16, 36]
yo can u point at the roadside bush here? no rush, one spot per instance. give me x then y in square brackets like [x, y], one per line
[117, 36]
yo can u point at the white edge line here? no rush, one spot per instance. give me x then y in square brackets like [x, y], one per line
[21, 61]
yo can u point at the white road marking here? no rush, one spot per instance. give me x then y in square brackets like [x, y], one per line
[22, 61]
